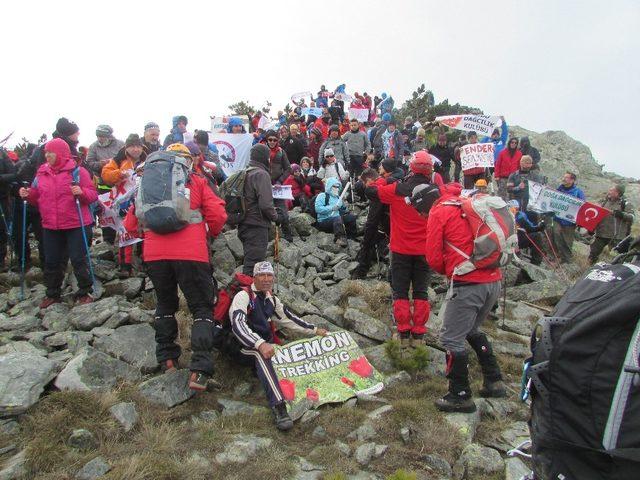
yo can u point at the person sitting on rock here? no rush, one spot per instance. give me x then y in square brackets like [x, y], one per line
[255, 314]
[471, 296]
[332, 213]
[331, 168]
[300, 191]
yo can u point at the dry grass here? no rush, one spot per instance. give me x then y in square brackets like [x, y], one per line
[377, 297]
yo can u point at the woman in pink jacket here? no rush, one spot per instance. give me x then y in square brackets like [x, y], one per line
[58, 183]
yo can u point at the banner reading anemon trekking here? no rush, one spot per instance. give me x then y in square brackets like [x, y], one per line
[481, 124]
[324, 369]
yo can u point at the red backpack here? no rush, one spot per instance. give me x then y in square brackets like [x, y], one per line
[495, 238]
[239, 282]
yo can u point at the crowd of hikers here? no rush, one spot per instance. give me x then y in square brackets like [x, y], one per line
[408, 174]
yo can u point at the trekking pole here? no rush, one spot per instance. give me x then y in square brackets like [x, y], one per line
[7, 228]
[504, 300]
[276, 255]
[24, 242]
[84, 236]
[352, 196]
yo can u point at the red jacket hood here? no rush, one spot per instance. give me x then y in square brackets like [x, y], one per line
[448, 190]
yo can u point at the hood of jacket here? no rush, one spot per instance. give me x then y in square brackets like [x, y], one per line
[331, 182]
[62, 151]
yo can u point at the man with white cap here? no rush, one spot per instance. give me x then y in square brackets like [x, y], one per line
[256, 313]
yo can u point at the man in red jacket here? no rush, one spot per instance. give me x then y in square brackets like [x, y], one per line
[467, 303]
[181, 259]
[409, 269]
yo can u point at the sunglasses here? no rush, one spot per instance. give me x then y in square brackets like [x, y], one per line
[272, 139]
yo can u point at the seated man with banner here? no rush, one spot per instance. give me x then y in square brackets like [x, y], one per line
[255, 314]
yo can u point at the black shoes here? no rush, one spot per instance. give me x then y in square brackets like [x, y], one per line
[281, 417]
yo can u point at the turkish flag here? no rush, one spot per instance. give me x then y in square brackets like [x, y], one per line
[590, 215]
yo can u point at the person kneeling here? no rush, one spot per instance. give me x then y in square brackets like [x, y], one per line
[255, 315]
[332, 213]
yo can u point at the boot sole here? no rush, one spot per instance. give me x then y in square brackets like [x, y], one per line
[283, 427]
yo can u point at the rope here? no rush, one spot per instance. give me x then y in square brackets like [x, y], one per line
[545, 258]
[546, 234]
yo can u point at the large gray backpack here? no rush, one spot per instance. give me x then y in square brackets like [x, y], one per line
[163, 199]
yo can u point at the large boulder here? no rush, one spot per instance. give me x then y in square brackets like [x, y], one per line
[23, 377]
[20, 324]
[302, 223]
[366, 325]
[477, 461]
[91, 315]
[94, 370]
[134, 344]
[56, 318]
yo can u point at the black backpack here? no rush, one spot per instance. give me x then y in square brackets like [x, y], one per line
[312, 204]
[232, 192]
[584, 380]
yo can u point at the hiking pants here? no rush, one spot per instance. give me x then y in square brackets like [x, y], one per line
[266, 373]
[597, 247]
[563, 236]
[339, 225]
[410, 272]
[255, 241]
[60, 246]
[465, 307]
[34, 221]
[355, 166]
[195, 281]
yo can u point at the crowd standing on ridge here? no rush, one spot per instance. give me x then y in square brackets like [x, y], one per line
[407, 173]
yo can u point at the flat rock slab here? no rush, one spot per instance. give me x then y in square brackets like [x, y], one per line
[169, 389]
[93, 370]
[235, 407]
[126, 414]
[465, 423]
[96, 468]
[23, 377]
[89, 316]
[242, 448]
[134, 344]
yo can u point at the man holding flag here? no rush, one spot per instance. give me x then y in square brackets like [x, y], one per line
[614, 227]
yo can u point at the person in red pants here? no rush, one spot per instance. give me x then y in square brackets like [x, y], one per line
[409, 268]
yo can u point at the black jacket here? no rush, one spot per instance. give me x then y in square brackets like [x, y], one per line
[7, 175]
[444, 154]
[258, 196]
[294, 149]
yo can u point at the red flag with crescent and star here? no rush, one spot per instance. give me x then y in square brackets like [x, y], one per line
[590, 215]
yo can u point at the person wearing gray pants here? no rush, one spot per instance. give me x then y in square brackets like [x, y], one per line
[471, 295]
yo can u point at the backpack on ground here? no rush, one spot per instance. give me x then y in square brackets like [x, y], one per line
[163, 198]
[312, 204]
[494, 230]
[584, 380]
[232, 192]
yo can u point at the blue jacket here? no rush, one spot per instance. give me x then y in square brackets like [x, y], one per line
[574, 191]
[324, 212]
[499, 144]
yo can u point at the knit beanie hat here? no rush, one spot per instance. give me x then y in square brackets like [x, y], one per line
[104, 131]
[66, 128]
[260, 153]
[316, 131]
[194, 149]
[133, 140]
[389, 165]
[151, 126]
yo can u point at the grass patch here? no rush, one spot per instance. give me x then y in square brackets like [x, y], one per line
[377, 297]
[339, 421]
[401, 474]
[411, 360]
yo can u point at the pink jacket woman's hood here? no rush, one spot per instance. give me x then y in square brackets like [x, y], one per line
[62, 151]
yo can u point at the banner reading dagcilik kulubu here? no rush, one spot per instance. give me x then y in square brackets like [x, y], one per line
[324, 369]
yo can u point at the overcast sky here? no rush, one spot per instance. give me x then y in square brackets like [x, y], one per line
[544, 65]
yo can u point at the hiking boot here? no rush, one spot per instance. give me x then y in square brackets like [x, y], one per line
[84, 299]
[452, 402]
[493, 389]
[170, 365]
[358, 274]
[418, 341]
[281, 418]
[48, 301]
[198, 381]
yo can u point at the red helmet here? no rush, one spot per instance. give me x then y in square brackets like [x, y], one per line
[421, 163]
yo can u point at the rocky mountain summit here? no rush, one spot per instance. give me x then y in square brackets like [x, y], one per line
[81, 397]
